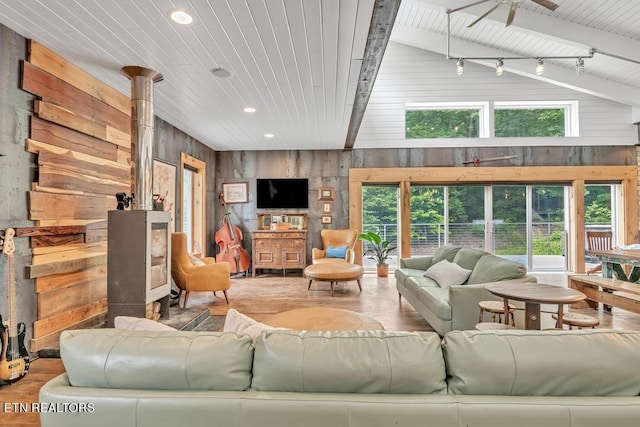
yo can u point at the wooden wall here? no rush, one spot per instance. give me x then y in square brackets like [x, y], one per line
[80, 132]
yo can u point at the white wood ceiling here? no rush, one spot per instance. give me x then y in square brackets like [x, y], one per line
[298, 61]
[575, 27]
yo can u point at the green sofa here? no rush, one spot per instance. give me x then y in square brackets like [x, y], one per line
[455, 307]
[131, 378]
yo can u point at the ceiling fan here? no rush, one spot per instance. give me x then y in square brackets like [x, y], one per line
[512, 10]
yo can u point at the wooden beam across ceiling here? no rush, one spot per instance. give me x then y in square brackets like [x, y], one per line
[384, 15]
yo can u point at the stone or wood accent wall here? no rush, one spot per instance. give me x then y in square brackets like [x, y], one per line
[330, 168]
[83, 160]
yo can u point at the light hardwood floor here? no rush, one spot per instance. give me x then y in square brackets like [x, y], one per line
[269, 294]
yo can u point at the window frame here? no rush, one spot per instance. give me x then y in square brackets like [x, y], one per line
[571, 114]
[481, 106]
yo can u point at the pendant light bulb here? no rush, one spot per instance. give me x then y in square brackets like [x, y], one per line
[499, 67]
[539, 67]
[460, 67]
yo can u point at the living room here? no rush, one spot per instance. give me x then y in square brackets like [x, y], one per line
[381, 154]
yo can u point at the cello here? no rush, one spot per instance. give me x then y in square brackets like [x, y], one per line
[229, 238]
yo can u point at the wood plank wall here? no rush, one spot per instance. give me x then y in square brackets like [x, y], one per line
[80, 132]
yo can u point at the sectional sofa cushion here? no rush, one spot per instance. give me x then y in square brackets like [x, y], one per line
[447, 274]
[492, 268]
[468, 257]
[447, 252]
[157, 360]
[140, 324]
[349, 362]
[539, 363]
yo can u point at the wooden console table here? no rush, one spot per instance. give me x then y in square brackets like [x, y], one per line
[279, 250]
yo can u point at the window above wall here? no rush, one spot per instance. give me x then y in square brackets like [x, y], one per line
[535, 119]
[446, 120]
[470, 120]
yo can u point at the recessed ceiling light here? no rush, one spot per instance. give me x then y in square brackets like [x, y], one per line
[181, 17]
[249, 110]
[268, 135]
[220, 72]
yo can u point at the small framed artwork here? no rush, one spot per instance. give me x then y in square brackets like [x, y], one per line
[326, 208]
[235, 192]
[326, 193]
[326, 219]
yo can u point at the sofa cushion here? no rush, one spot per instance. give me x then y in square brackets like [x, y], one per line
[349, 362]
[402, 274]
[492, 268]
[447, 274]
[543, 363]
[413, 285]
[139, 324]
[157, 360]
[243, 324]
[447, 252]
[468, 257]
[436, 299]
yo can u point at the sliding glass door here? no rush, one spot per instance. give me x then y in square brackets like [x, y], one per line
[380, 214]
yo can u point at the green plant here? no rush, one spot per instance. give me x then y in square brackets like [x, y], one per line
[377, 248]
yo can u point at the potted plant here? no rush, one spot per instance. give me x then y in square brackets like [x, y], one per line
[378, 250]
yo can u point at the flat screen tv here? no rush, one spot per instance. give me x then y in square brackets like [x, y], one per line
[282, 193]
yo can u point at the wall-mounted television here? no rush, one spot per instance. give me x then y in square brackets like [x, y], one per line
[282, 193]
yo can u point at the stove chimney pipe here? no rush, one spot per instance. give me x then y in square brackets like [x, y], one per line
[142, 130]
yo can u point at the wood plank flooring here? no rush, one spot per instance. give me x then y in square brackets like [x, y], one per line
[268, 294]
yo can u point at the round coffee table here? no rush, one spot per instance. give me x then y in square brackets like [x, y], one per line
[334, 272]
[534, 294]
[323, 319]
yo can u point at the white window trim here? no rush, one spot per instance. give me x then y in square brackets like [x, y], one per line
[482, 107]
[571, 112]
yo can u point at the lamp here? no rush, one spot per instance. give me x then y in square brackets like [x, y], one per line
[499, 67]
[460, 67]
[540, 67]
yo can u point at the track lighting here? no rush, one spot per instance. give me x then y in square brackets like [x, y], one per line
[460, 67]
[579, 66]
[539, 67]
[499, 67]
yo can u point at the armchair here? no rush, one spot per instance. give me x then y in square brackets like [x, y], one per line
[335, 239]
[190, 277]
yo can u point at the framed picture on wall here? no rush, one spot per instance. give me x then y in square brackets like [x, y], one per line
[326, 219]
[326, 193]
[235, 192]
[326, 208]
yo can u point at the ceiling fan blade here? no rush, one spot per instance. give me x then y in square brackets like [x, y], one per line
[484, 15]
[546, 3]
[469, 5]
[512, 12]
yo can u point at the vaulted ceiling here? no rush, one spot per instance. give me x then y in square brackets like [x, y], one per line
[299, 63]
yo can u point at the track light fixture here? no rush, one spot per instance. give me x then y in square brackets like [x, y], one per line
[499, 67]
[460, 67]
[539, 70]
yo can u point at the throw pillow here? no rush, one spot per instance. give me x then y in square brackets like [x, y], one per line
[243, 324]
[337, 251]
[446, 274]
[139, 324]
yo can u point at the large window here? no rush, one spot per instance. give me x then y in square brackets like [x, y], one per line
[511, 119]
